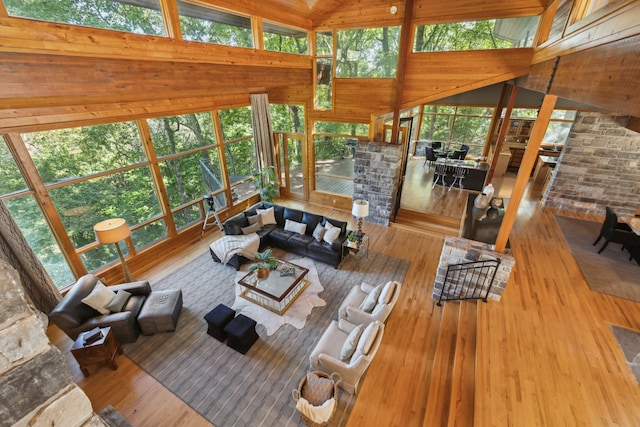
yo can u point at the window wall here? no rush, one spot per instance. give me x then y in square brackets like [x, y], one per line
[284, 39]
[208, 25]
[334, 145]
[141, 17]
[476, 35]
[368, 52]
[457, 125]
[98, 172]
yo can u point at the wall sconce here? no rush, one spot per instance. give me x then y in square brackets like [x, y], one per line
[113, 231]
[360, 210]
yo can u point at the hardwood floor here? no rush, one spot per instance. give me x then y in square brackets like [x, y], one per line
[545, 353]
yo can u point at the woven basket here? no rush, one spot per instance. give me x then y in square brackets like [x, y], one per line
[296, 394]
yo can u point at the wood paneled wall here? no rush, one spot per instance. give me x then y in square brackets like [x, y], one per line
[431, 76]
[428, 11]
[605, 76]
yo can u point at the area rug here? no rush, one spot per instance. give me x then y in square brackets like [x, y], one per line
[629, 342]
[296, 315]
[609, 272]
[231, 389]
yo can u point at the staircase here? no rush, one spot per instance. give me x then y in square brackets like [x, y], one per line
[427, 223]
[451, 388]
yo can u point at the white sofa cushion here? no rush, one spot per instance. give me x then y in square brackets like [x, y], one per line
[267, 216]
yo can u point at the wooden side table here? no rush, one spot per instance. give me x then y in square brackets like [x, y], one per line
[100, 352]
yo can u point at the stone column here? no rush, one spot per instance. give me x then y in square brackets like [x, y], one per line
[376, 177]
[36, 386]
[457, 250]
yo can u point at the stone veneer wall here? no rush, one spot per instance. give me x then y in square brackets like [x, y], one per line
[457, 250]
[36, 386]
[599, 166]
[376, 175]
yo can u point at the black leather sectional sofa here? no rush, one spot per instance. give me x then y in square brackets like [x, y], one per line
[274, 235]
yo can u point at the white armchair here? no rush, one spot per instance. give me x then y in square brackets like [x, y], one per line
[347, 349]
[365, 303]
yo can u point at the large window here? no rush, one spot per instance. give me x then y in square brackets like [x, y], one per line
[28, 216]
[476, 35]
[189, 163]
[141, 17]
[204, 24]
[368, 52]
[323, 86]
[95, 173]
[334, 148]
[456, 126]
[239, 151]
[284, 39]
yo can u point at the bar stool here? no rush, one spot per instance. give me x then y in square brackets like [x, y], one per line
[459, 174]
[440, 173]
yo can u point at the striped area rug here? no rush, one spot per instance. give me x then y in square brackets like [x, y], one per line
[231, 389]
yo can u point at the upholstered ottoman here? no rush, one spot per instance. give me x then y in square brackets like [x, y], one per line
[241, 333]
[217, 319]
[160, 311]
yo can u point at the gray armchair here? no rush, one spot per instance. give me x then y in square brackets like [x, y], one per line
[383, 299]
[327, 356]
[73, 316]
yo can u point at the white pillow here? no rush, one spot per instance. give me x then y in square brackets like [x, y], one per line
[387, 292]
[318, 233]
[349, 346]
[99, 298]
[368, 338]
[370, 301]
[267, 216]
[117, 304]
[331, 234]
[296, 227]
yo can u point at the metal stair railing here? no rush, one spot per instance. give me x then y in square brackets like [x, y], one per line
[469, 280]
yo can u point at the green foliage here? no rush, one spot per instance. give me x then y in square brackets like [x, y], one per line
[108, 14]
[368, 52]
[265, 260]
[475, 35]
[267, 183]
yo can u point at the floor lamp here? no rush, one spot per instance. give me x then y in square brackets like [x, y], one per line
[113, 231]
[360, 210]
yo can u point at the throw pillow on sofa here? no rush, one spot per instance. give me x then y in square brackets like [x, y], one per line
[117, 304]
[255, 219]
[331, 234]
[268, 216]
[254, 228]
[349, 346]
[295, 227]
[318, 233]
[99, 298]
[370, 301]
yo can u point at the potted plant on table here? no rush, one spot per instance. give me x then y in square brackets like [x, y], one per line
[266, 263]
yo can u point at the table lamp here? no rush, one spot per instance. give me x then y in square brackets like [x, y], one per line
[360, 210]
[113, 231]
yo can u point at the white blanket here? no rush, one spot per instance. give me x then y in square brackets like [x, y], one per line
[317, 414]
[228, 246]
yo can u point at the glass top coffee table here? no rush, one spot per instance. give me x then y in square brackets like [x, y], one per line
[279, 290]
